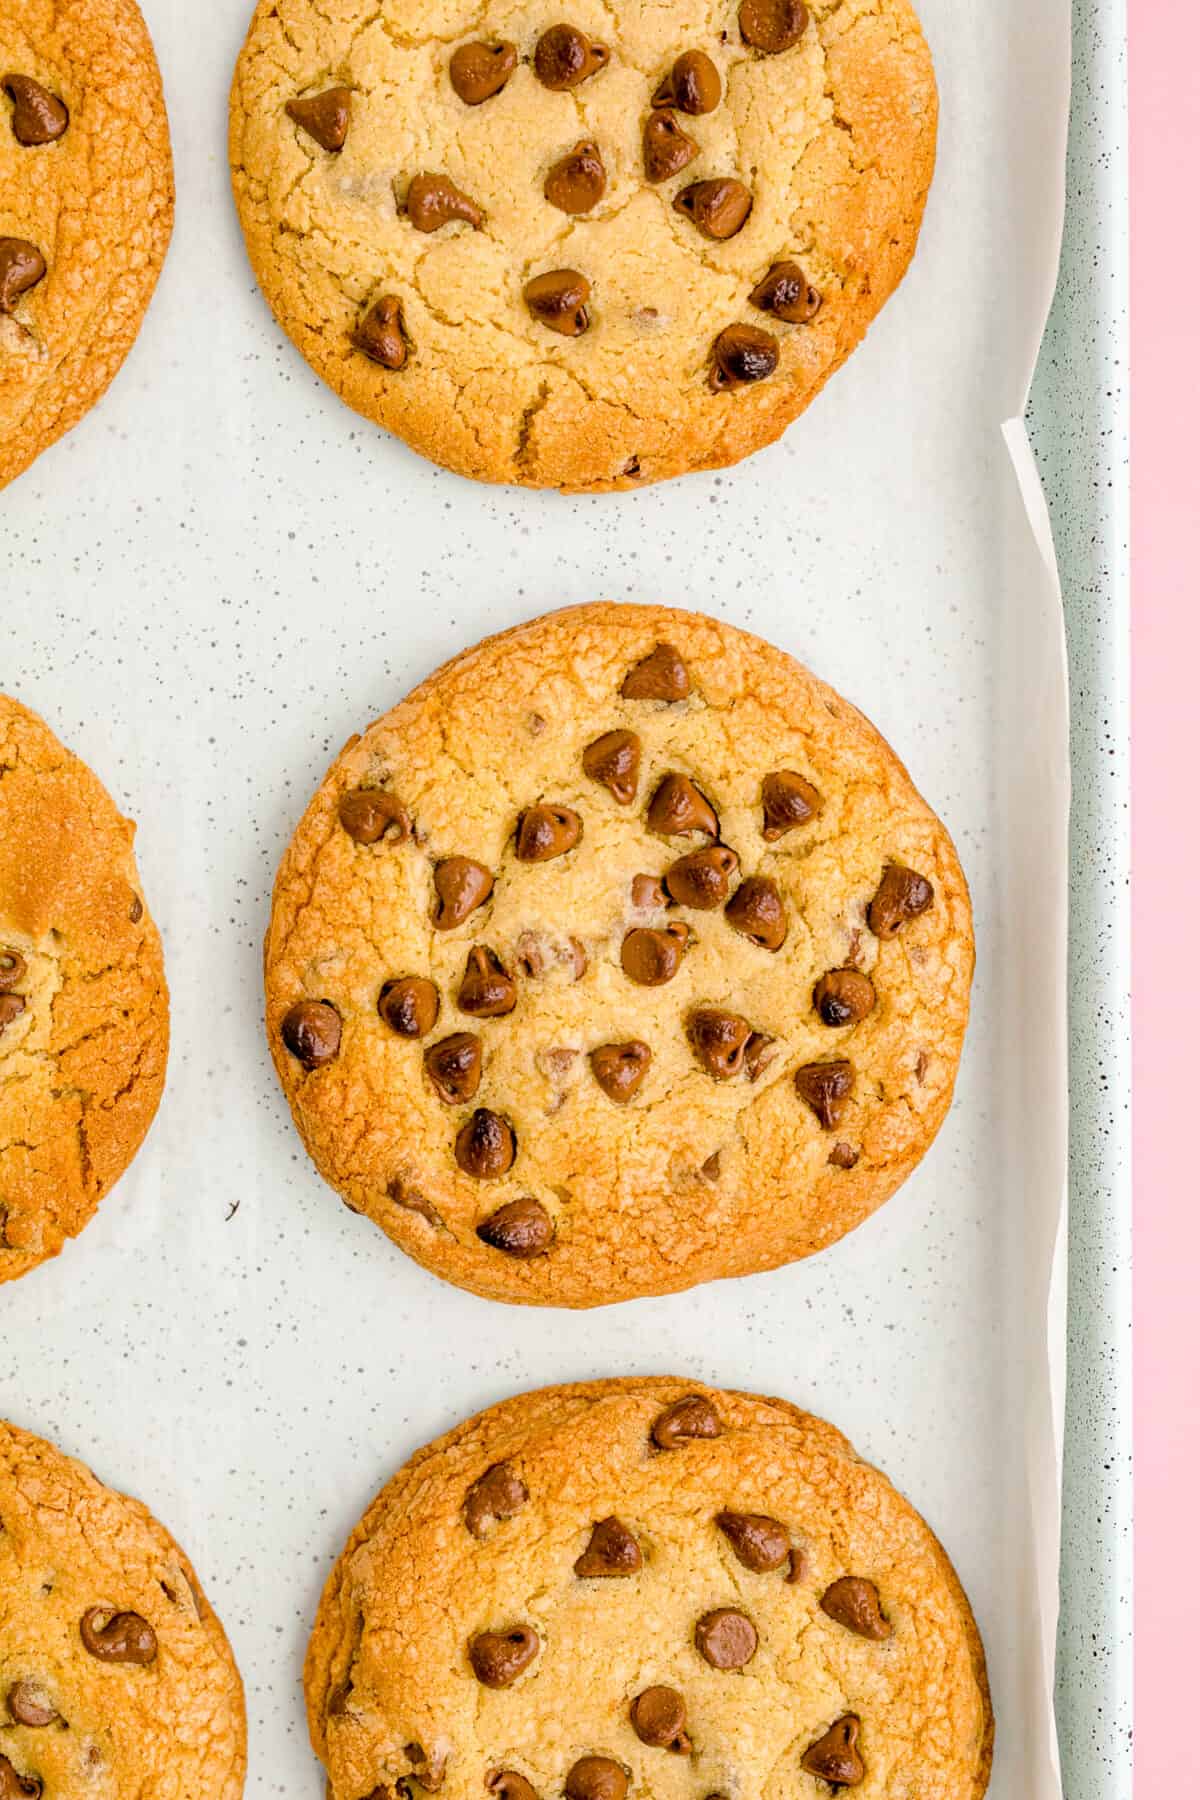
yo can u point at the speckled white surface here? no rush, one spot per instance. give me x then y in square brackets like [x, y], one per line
[222, 574]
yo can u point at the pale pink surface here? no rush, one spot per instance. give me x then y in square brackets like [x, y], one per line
[1165, 98]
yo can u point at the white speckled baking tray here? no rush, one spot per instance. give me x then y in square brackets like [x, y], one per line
[222, 574]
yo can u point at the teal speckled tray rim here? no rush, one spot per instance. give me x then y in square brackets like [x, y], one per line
[1079, 426]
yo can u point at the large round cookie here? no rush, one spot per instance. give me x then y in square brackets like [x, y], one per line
[548, 1076]
[404, 173]
[83, 1001]
[640, 1587]
[86, 202]
[116, 1678]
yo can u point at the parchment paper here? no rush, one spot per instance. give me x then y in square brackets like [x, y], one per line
[222, 573]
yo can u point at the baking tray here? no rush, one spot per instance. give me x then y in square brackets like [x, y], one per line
[1079, 424]
[225, 573]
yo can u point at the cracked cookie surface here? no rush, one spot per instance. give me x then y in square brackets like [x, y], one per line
[86, 184]
[708, 1594]
[116, 1678]
[622, 955]
[608, 381]
[83, 999]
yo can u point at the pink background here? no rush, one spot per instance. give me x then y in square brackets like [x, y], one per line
[1165, 97]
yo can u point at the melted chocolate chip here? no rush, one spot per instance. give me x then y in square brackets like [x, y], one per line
[843, 997]
[29, 1704]
[461, 884]
[901, 895]
[620, 1069]
[565, 56]
[434, 200]
[325, 117]
[488, 991]
[596, 1778]
[691, 1417]
[726, 1638]
[506, 1784]
[544, 832]
[759, 1542]
[367, 814]
[614, 761]
[854, 1603]
[719, 1040]
[38, 116]
[834, 1757]
[380, 333]
[11, 1007]
[761, 1051]
[521, 1229]
[757, 912]
[825, 1088]
[693, 85]
[660, 676]
[12, 969]
[118, 1637]
[498, 1657]
[701, 879]
[666, 147]
[652, 958]
[718, 209]
[498, 1495]
[772, 25]
[612, 1550]
[786, 293]
[577, 181]
[742, 355]
[17, 1787]
[479, 70]
[659, 1716]
[454, 1067]
[558, 300]
[647, 893]
[843, 1156]
[312, 1032]
[486, 1146]
[22, 266]
[409, 1005]
[787, 801]
[678, 807]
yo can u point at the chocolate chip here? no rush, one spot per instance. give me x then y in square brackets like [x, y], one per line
[678, 807]
[756, 910]
[123, 1637]
[787, 801]
[786, 293]
[718, 209]
[693, 85]
[401, 1192]
[834, 1757]
[11, 1007]
[380, 333]
[566, 56]
[454, 1067]
[666, 147]
[854, 1603]
[366, 814]
[434, 201]
[660, 676]
[312, 1031]
[726, 1638]
[701, 879]
[429, 1771]
[612, 1550]
[719, 1040]
[797, 1566]
[647, 893]
[843, 1156]
[691, 1417]
[620, 1069]
[39, 117]
[498, 1657]
[325, 117]
[577, 181]
[614, 761]
[22, 266]
[506, 1784]
[479, 70]
[461, 884]
[558, 300]
[596, 1778]
[761, 1052]
[741, 355]
[12, 969]
[409, 1004]
[652, 958]
[825, 1088]
[901, 895]
[522, 1229]
[544, 832]
[486, 1146]
[759, 1542]
[17, 1787]
[29, 1704]
[772, 25]
[498, 1495]
[659, 1717]
[136, 909]
[488, 991]
[710, 1168]
[843, 997]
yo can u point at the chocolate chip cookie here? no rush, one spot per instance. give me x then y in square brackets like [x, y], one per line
[641, 1587]
[83, 1001]
[86, 203]
[585, 248]
[116, 1678]
[622, 955]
